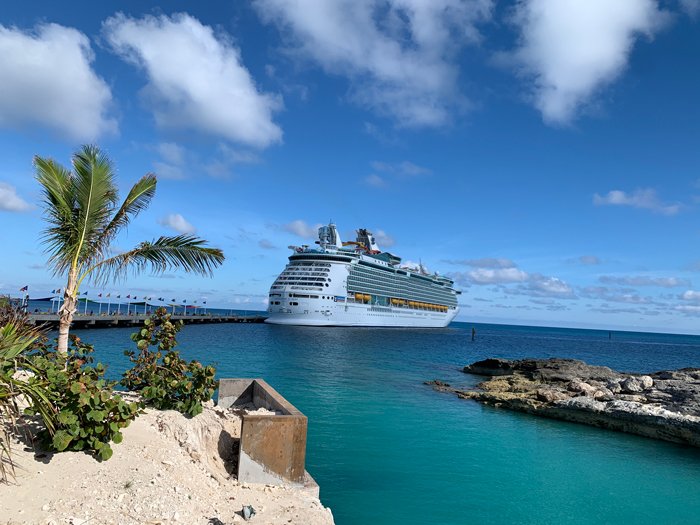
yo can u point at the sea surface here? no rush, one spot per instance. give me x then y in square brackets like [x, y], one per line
[387, 449]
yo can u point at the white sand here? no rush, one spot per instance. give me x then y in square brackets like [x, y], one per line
[167, 470]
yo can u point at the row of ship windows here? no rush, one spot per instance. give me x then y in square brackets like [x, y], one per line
[306, 264]
[399, 283]
[399, 290]
[359, 272]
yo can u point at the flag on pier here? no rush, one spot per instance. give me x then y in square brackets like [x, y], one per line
[24, 288]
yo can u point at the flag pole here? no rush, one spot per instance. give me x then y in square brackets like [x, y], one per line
[86, 301]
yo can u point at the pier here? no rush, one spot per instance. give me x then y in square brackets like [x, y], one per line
[122, 320]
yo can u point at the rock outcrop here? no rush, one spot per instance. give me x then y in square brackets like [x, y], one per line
[663, 405]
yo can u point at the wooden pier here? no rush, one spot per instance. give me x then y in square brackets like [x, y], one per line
[123, 320]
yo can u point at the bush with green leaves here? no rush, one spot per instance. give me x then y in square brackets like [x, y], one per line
[161, 376]
[90, 414]
[17, 338]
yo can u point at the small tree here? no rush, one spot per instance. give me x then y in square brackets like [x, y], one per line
[165, 380]
[81, 207]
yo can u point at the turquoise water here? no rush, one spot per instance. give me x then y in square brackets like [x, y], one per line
[386, 449]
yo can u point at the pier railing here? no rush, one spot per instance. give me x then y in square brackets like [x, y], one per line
[120, 320]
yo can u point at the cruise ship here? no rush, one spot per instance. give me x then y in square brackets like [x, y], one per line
[355, 283]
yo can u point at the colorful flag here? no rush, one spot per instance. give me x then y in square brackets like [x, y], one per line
[53, 291]
[204, 302]
[173, 300]
[109, 294]
[24, 288]
[128, 296]
[99, 295]
[119, 296]
[85, 293]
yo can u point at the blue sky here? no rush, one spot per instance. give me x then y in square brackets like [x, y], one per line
[545, 153]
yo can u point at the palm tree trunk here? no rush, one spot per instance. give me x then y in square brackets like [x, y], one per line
[65, 314]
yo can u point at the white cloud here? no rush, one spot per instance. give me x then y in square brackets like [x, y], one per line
[300, 228]
[384, 240]
[641, 198]
[589, 260]
[497, 275]
[485, 262]
[399, 55]
[571, 49]
[375, 180]
[692, 7]
[403, 169]
[196, 79]
[642, 280]
[47, 80]
[177, 222]
[171, 153]
[172, 162]
[691, 295]
[10, 201]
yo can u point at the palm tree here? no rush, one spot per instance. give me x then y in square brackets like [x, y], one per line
[81, 209]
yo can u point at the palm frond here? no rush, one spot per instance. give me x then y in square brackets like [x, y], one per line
[96, 197]
[137, 200]
[59, 207]
[183, 252]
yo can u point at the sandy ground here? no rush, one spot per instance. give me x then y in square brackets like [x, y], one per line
[168, 469]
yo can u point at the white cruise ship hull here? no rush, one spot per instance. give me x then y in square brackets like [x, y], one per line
[362, 315]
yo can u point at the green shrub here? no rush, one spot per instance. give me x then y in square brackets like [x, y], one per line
[90, 415]
[161, 376]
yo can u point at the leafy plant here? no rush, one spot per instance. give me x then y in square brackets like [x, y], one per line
[90, 415]
[17, 337]
[161, 376]
[84, 216]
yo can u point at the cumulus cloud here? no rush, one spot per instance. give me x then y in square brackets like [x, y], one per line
[642, 280]
[196, 78]
[399, 55]
[10, 201]
[641, 198]
[485, 262]
[497, 275]
[604, 293]
[384, 240]
[302, 229]
[177, 222]
[691, 295]
[47, 80]
[571, 49]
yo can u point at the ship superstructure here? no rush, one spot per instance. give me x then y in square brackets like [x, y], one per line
[357, 284]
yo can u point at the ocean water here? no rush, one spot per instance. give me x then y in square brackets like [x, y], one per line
[387, 449]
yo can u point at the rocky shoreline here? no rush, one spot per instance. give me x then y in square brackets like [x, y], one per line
[663, 405]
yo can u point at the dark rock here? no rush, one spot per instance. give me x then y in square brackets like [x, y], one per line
[440, 386]
[490, 367]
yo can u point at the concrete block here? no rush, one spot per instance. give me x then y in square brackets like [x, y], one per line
[273, 446]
